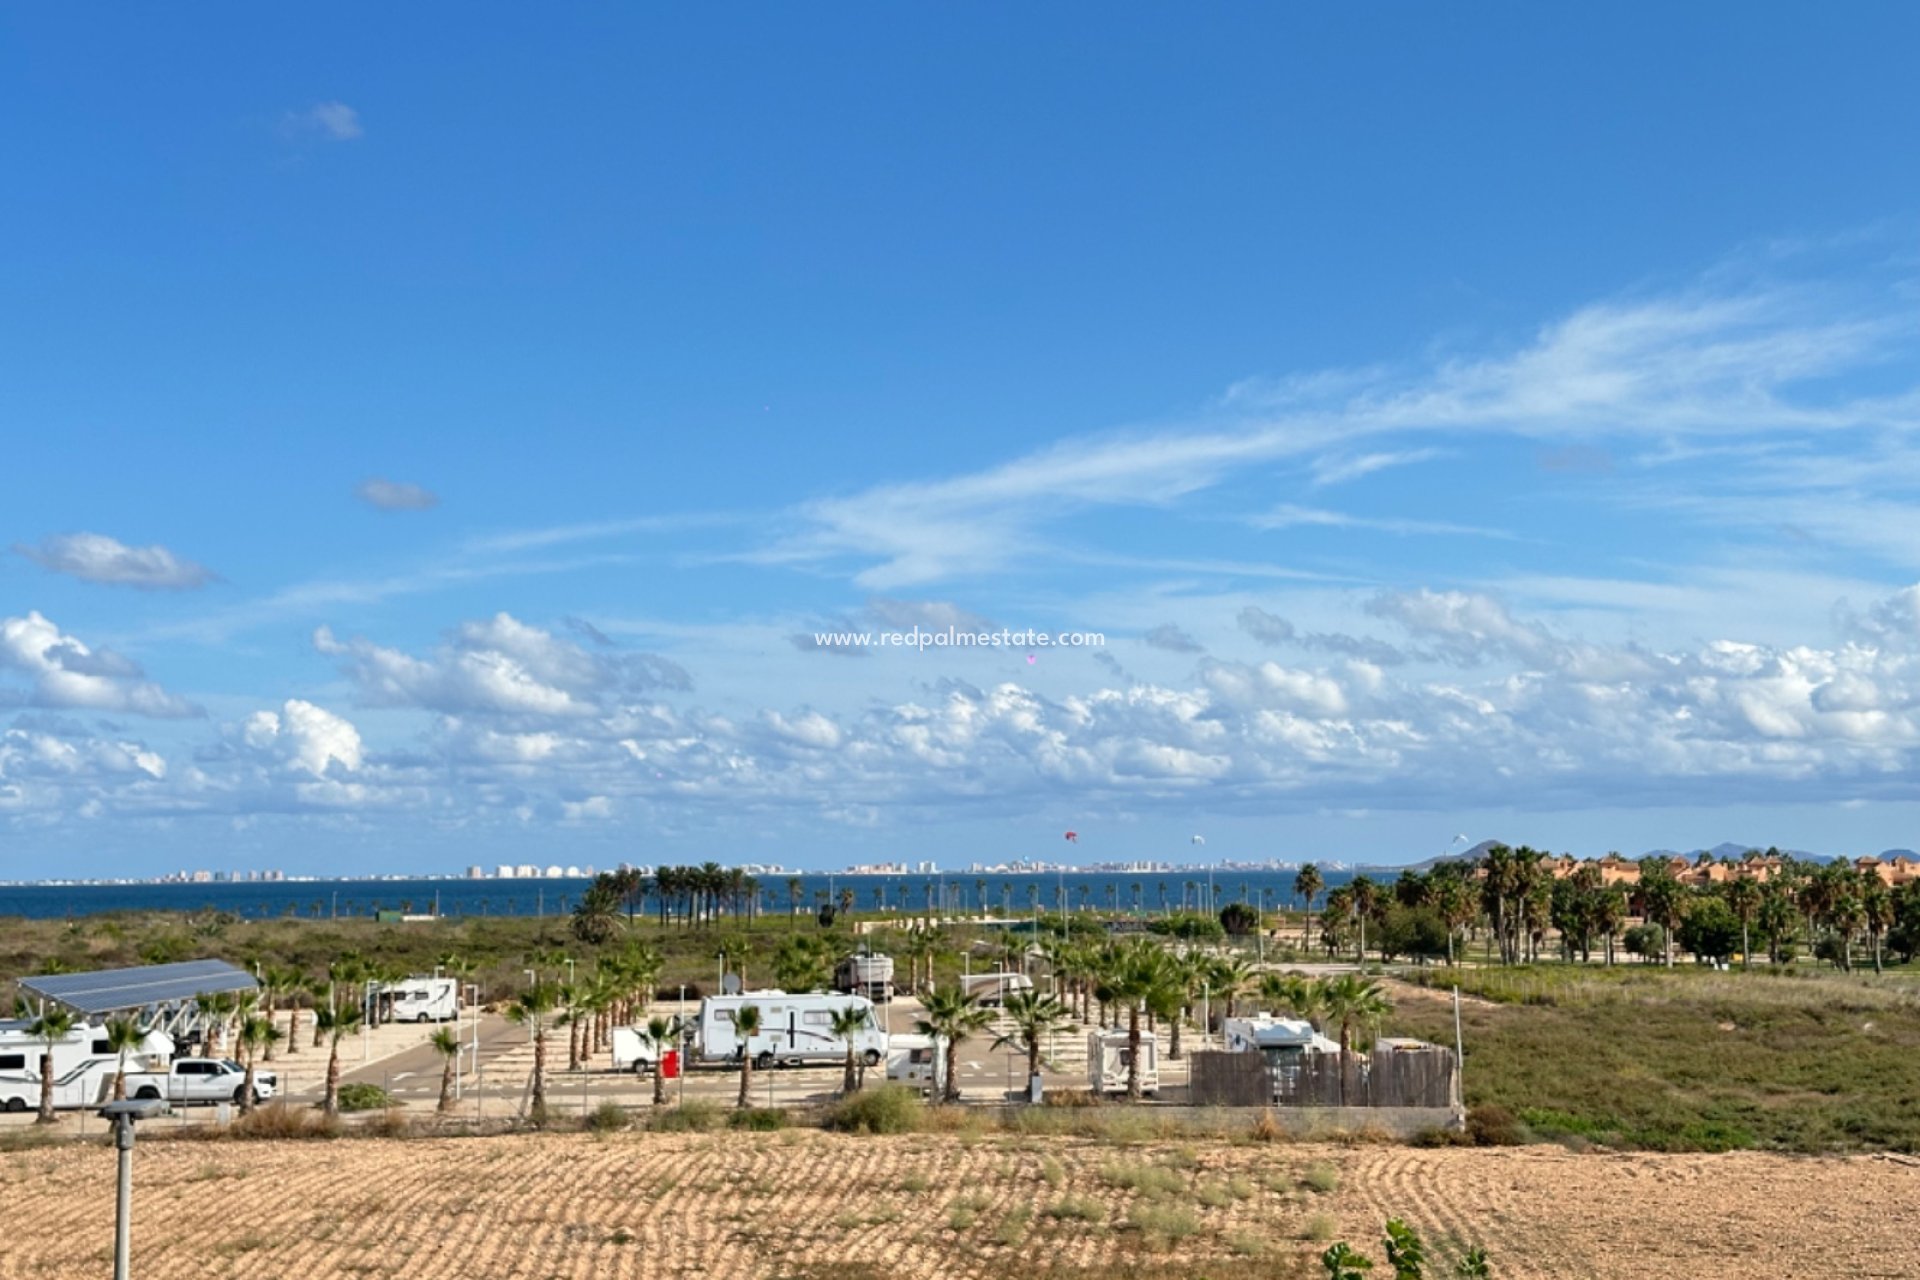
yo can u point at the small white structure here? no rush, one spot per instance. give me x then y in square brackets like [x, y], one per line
[83, 1064]
[634, 1052]
[1108, 1057]
[994, 988]
[420, 999]
[1286, 1043]
[869, 975]
[794, 1028]
[918, 1062]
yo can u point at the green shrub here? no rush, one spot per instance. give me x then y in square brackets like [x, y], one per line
[758, 1119]
[364, 1097]
[608, 1117]
[889, 1109]
[1151, 1182]
[1491, 1125]
[1322, 1179]
[1162, 1225]
[1076, 1209]
[689, 1117]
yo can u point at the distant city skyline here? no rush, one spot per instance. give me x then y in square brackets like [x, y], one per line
[1496, 422]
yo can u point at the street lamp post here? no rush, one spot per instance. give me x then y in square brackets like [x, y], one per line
[533, 980]
[121, 1115]
[681, 1043]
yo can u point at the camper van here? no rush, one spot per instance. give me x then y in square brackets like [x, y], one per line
[419, 1000]
[994, 988]
[83, 1064]
[869, 975]
[633, 1051]
[794, 1029]
[918, 1062]
[1286, 1043]
[1107, 1057]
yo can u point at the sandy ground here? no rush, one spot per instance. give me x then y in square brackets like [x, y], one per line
[783, 1204]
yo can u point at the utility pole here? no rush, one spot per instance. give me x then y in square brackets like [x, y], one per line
[121, 1115]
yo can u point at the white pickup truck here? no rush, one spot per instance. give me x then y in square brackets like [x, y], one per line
[201, 1080]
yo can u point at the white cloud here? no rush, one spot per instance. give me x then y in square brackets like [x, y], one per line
[63, 672]
[394, 495]
[1338, 469]
[329, 121]
[501, 666]
[1715, 362]
[1265, 627]
[310, 738]
[1288, 516]
[94, 557]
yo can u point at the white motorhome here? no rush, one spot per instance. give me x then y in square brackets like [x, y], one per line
[918, 1062]
[868, 975]
[994, 988]
[419, 999]
[794, 1028]
[83, 1064]
[1285, 1042]
[1108, 1055]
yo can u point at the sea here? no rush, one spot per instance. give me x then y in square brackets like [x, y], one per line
[1184, 888]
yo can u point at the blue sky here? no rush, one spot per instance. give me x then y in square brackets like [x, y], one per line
[434, 436]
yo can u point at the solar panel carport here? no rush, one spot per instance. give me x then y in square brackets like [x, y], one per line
[165, 992]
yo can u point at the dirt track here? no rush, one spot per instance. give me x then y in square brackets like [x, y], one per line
[762, 1205]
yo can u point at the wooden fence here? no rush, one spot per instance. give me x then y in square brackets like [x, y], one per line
[1384, 1078]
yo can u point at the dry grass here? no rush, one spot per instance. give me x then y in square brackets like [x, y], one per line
[928, 1205]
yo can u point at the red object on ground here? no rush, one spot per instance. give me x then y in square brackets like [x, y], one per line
[670, 1064]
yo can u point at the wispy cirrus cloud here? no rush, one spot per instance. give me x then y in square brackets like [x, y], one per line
[1718, 362]
[394, 495]
[1289, 516]
[95, 557]
[327, 121]
[1338, 469]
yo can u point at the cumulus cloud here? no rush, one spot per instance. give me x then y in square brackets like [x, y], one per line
[94, 557]
[63, 672]
[327, 121]
[308, 737]
[1170, 637]
[1265, 627]
[499, 666]
[394, 495]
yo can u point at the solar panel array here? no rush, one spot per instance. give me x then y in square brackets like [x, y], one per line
[113, 990]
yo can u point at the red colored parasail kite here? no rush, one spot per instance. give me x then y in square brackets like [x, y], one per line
[1074, 836]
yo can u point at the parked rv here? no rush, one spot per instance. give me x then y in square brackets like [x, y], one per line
[419, 1000]
[794, 1028]
[869, 975]
[918, 1062]
[994, 988]
[83, 1065]
[1285, 1042]
[202, 1080]
[1108, 1055]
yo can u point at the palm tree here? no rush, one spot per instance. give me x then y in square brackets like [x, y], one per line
[660, 1035]
[746, 1025]
[1035, 1016]
[1139, 976]
[1876, 908]
[1743, 895]
[447, 1041]
[1366, 897]
[531, 1007]
[950, 1013]
[123, 1036]
[846, 1024]
[1351, 998]
[1665, 900]
[1307, 884]
[336, 1023]
[50, 1028]
[257, 1035]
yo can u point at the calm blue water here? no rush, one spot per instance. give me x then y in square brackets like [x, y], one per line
[1094, 891]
